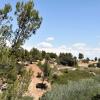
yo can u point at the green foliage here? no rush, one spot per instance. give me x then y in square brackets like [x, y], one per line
[46, 69]
[27, 98]
[15, 75]
[16, 90]
[81, 56]
[86, 60]
[43, 54]
[39, 64]
[98, 59]
[6, 9]
[4, 56]
[91, 66]
[67, 59]
[47, 57]
[35, 54]
[98, 64]
[95, 58]
[52, 55]
[81, 90]
[28, 21]
[0, 96]
[5, 26]
[22, 55]
[12, 74]
[71, 75]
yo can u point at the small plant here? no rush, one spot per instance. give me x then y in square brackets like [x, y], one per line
[55, 76]
[41, 86]
[97, 97]
[46, 71]
[38, 75]
[27, 98]
[39, 64]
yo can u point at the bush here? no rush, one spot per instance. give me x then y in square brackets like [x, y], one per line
[38, 75]
[91, 65]
[41, 86]
[71, 75]
[27, 98]
[55, 76]
[81, 90]
[97, 97]
[39, 64]
[98, 65]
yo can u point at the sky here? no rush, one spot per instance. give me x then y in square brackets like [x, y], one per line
[67, 26]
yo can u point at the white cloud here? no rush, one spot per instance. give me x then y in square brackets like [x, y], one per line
[79, 45]
[75, 49]
[44, 45]
[50, 39]
[27, 47]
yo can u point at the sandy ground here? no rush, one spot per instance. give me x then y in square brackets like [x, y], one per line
[32, 90]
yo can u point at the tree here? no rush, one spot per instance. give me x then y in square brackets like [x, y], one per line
[45, 76]
[75, 62]
[81, 56]
[46, 70]
[99, 60]
[28, 21]
[5, 26]
[52, 55]
[95, 58]
[47, 57]
[35, 54]
[66, 59]
[86, 60]
[16, 90]
[26, 55]
[43, 54]
[62, 59]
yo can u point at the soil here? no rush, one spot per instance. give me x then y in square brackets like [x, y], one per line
[32, 90]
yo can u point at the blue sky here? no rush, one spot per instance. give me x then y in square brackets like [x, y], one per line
[68, 26]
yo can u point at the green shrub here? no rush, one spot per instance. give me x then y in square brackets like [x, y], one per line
[91, 65]
[81, 90]
[39, 64]
[72, 75]
[98, 65]
[27, 98]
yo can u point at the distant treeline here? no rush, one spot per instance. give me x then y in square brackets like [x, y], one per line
[34, 54]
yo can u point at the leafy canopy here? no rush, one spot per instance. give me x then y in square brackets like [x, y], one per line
[28, 21]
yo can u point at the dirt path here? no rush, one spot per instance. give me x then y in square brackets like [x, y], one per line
[32, 90]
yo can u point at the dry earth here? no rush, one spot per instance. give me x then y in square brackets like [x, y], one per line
[32, 90]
